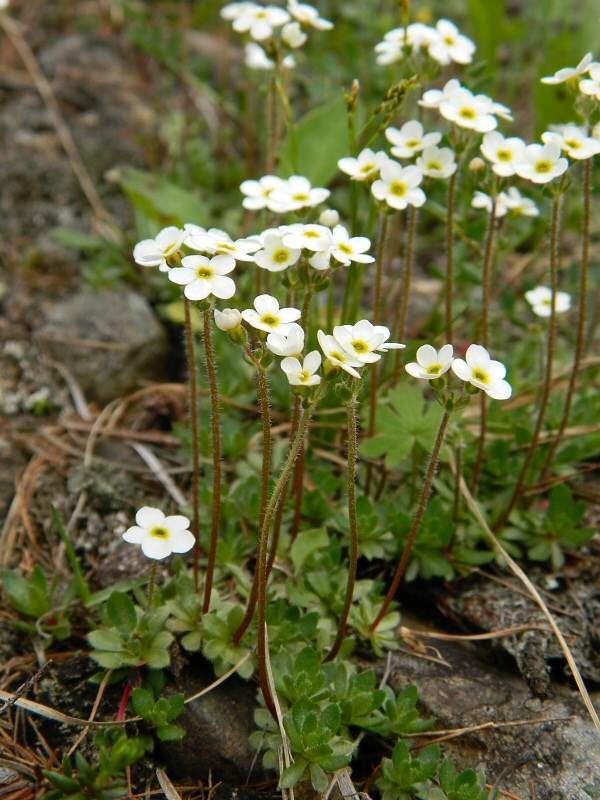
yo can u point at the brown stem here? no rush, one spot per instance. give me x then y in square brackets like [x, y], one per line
[193, 373]
[407, 277]
[433, 462]
[450, 257]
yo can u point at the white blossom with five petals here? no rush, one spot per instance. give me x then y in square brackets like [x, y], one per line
[481, 371]
[431, 363]
[159, 535]
[267, 316]
[201, 277]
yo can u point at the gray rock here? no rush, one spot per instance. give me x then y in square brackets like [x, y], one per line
[110, 342]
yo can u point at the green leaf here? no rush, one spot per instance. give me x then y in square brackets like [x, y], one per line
[17, 588]
[447, 775]
[159, 199]
[121, 612]
[320, 139]
[106, 640]
[69, 237]
[292, 774]
[143, 703]
[307, 543]
[170, 733]
[318, 778]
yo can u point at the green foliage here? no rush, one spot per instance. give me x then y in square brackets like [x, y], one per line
[403, 776]
[158, 199]
[131, 637]
[404, 422]
[160, 713]
[34, 598]
[104, 780]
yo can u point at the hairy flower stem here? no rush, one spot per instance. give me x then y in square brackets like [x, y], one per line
[213, 383]
[485, 338]
[377, 314]
[433, 462]
[263, 399]
[261, 565]
[581, 322]
[353, 523]
[405, 288]
[152, 586]
[551, 343]
[450, 257]
[193, 399]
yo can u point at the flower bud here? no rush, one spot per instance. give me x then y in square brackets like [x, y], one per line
[228, 319]
[330, 218]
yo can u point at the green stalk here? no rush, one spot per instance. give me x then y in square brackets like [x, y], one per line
[551, 343]
[433, 462]
[261, 566]
[152, 586]
[583, 292]
[450, 257]
[263, 399]
[485, 337]
[353, 522]
[405, 290]
[213, 383]
[193, 399]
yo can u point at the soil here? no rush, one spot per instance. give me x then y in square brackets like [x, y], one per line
[537, 740]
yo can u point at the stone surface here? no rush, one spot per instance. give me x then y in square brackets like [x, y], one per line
[110, 342]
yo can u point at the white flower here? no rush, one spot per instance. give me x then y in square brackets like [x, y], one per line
[275, 255]
[450, 45]
[468, 110]
[258, 192]
[567, 73]
[398, 186]
[410, 139]
[591, 85]
[154, 252]
[482, 372]
[575, 142]
[482, 200]
[313, 237]
[430, 363]
[542, 163]
[293, 35]
[504, 154]
[308, 15]
[297, 193]
[217, 242]
[269, 317]
[321, 261]
[337, 356]
[330, 217]
[303, 374]
[437, 162]
[259, 21]
[361, 341]
[366, 165]
[540, 300]
[517, 205]
[233, 10]
[159, 535]
[255, 57]
[346, 249]
[290, 344]
[202, 276]
[228, 320]
[434, 97]
[398, 40]
[191, 229]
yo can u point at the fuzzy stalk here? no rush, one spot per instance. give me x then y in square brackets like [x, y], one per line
[193, 400]
[424, 499]
[353, 524]
[152, 586]
[550, 348]
[262, 386]
[450, 257]
[261, 565]
[405, 289]
[581, 322]
[213, 384]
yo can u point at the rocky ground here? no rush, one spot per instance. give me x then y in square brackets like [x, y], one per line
[87, 389]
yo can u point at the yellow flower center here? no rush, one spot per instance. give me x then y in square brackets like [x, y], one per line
[434, 165]
[573, 144]
[449, 40]
[434, 369]
[280, 256]
[481, 376]
[467, 113]
[229, 246]
[504, 155]
[312, 234]
[270, 319]
[345, 248]
[398, 188]
[543, 167]
[159, 533]
[301, 198]
[360, 346]
[366, 168]
[414, 143]
[205, 273]
[304, 376]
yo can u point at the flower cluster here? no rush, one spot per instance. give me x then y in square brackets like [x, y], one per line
[444, 44]
[540, 300]
[261, 23]
[476, 369]
[280, 195]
